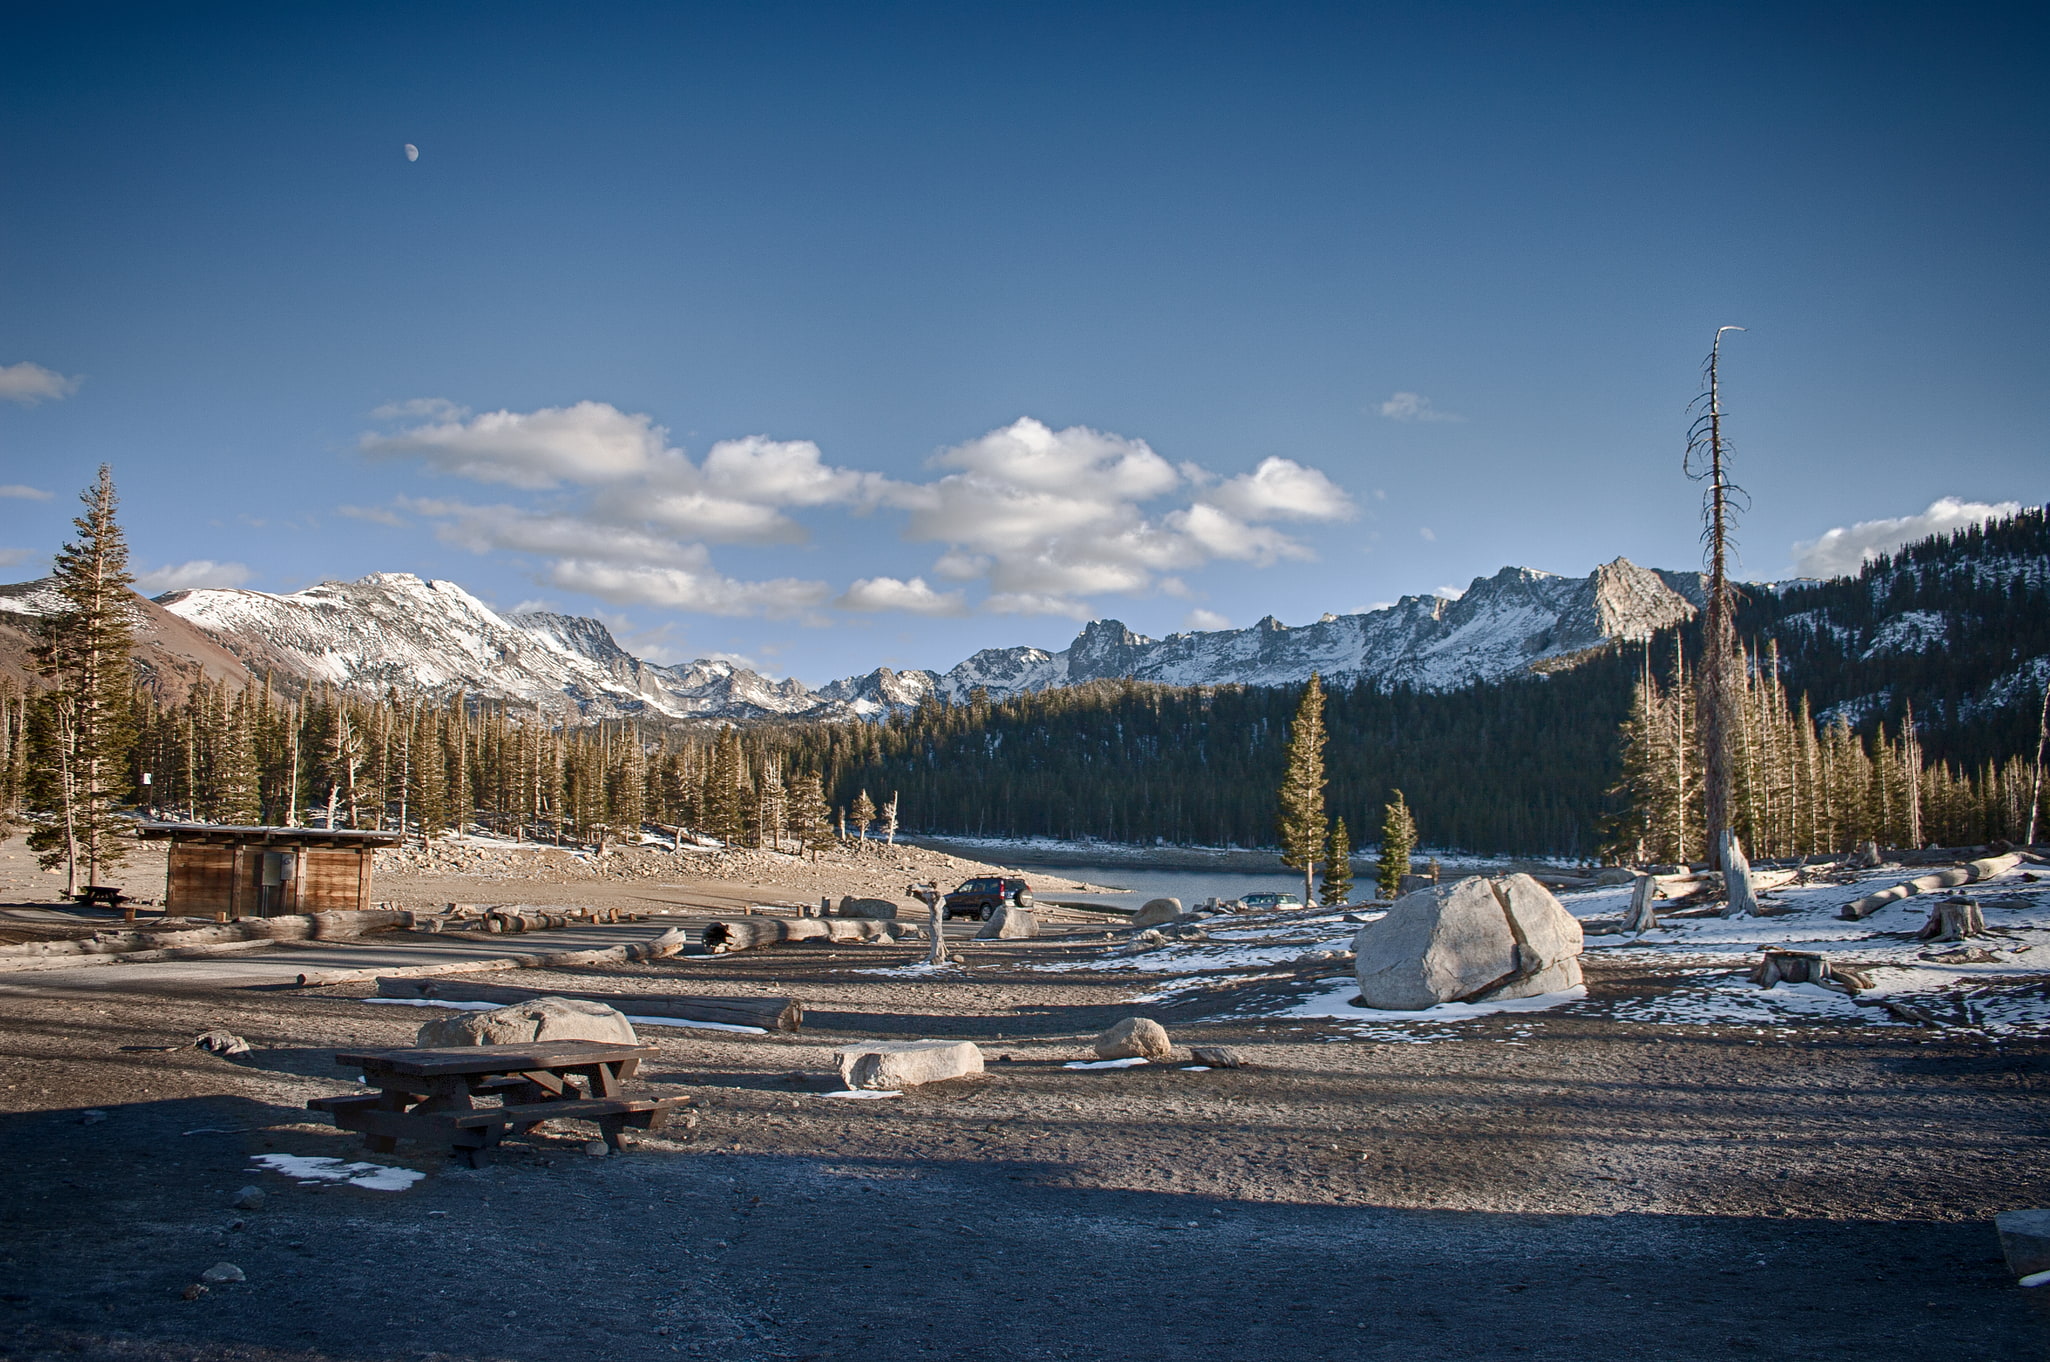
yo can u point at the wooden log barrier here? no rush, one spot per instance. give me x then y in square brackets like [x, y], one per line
[772, 1014]
[667, 944]
[1969, 873]
[726, 935]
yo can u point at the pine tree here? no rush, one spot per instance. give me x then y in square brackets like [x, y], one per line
[83, 650]
[810, 818]
[862, 814]
[1338, 865]
[1398, 840]
[1300, 821]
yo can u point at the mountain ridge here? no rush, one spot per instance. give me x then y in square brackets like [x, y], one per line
[400, 630]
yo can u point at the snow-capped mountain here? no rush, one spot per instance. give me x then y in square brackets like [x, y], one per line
[1502, 625]
[394, 629]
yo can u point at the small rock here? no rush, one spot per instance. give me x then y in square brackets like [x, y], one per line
[92, 1118]
[1217, 1056]
[248, 1199]
[221, 1273]
[1135, 1038]
[221, 1043]
[194, 1292]
[1157, 911]
[2025, 1240]
[596, 1148]
[1009, 923]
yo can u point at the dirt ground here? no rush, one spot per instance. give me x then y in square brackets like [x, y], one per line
[1550, 1186]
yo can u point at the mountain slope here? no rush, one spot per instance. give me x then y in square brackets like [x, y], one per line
[395, 629]
[170, 654]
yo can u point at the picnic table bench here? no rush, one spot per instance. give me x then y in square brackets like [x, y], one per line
[100, 895]
[432, 1095]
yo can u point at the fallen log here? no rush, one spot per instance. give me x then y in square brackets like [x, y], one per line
[1971, 873]
[772, 1014]
[667, 944]
[726, 935]
[202, 952]
[338, 926]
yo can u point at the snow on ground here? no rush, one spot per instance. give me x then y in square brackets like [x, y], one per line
[375, 1176]
[1705, 962]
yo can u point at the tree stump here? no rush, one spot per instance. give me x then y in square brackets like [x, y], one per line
[1642, 917]
[1808, 967]
[1954, 919]
[1743, 900]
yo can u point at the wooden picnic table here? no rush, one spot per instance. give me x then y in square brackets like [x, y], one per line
[432, 1095]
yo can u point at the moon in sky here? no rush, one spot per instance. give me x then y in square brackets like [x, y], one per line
[412, 152]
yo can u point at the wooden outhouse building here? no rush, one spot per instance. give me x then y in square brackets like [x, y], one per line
[265, 872]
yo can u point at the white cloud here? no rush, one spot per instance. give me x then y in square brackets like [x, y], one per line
[701, 589]
[1450, 593]
[23, 493]
[29, 383]
[376, 515]
[1205, 619]
[1049, 516]
[590, 442]
[913, 597]
[1842, 551]
[1042, 518]
[534, 605]
[1415, 407]
[1282, 488]
[200, 572]
[1428, 535]
[15, 557]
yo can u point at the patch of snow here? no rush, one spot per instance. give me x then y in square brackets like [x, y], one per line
[376, 1176]
[1131, 1063]
[699, 1025]
[859, 1094]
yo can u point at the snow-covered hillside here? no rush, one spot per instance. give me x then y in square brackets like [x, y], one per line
[395, 629]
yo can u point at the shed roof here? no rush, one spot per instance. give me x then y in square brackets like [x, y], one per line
[224, 834]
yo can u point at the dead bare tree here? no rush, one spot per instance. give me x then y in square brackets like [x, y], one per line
[2036, 777]
[1707, 460]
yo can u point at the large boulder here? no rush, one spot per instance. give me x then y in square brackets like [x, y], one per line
[884, 909]
[1157, 911]
[890, 1064]
[1009, 923]
[1135, 1038]
[1471, 940]
[522, 1023]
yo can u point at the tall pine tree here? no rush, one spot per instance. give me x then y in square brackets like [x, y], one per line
[83, 650]
[1300, 822]
[1338, 865]
[1398, 839]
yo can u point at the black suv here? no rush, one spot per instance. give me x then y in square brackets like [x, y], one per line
[979, 898]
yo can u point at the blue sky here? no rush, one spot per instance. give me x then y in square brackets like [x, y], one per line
[830, 336]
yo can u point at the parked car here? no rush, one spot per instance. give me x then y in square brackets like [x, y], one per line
[980, 897]
[1269, 903]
